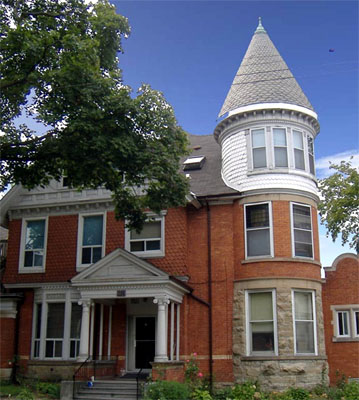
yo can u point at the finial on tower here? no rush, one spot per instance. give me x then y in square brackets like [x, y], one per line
[260, 28]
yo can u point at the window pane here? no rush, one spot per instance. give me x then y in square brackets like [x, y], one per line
[92, 234]
[258, 243]
[303, 306]
[259, 158]
[258, 138]
[137, 246]
[257, 216]
[304, 337]
[311, 164]
[35, 234]
[261, 306]
[58, 348]
[96, 254]
[86, 255]
[301, 215]
[343, 323]
[37, 348]
[151, 229]
[38, 257]
[55, 320]
[279, 137]
[76, 315]
[299, 159]
[262, 337]
[298, 140]
[29, 256]
[153, 245]
[303, 250]
[49, 351]
[280, 154]
[303, 236]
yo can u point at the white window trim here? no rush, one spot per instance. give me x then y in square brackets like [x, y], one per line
[270, 231]
[43, 328]
[314, 322]
[248, 328]
[292, 229]
[347, 313]
[151, 253]
[31, 270]
[79, 265]
[351, 309]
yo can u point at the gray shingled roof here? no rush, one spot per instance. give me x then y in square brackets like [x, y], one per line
[207, 181]
[263, 77]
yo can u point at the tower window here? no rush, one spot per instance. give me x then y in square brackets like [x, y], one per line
[258, 230]
[311, 155]
[298, 150]
[280, 147]
[259, 148]
[302, 231]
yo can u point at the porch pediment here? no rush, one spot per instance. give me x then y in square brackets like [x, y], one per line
[119, 266]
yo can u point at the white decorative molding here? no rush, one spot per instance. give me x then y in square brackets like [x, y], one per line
[8, 308]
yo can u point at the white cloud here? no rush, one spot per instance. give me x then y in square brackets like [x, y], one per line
[322, 164]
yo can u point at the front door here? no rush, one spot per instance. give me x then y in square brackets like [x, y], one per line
[145, 339]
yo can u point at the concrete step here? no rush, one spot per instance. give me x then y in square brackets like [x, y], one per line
[119, 389]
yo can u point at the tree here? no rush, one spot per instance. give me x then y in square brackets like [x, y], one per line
[58, 63]
[339, 206]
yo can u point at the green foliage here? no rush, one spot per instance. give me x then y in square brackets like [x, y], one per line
[201, 394]
[351, 391]
[298, 394]
[245, 391]
[339, 207]
[26, 394]
[167, 390]
[194, 378]
[223, 394]
[59, 65]
[9, 389]
[51, 389]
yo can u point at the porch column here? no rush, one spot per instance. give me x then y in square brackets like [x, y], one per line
[161, 334]
[85, 330]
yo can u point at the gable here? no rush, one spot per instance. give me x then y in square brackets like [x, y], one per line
[120, 265]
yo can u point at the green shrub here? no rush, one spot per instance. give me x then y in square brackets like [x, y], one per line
[223, 394]
[245, 391]
[26, 394]
[201, 394]
[298, 394]
[167, 390]
[351, 391]
[51, 389]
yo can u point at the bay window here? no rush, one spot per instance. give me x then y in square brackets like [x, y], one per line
[302, 237]
[55, 330]
[298, 147]
[261, 322]
[304, 322]
[258, 230]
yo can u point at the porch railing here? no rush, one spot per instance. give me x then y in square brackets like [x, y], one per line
[93, 367]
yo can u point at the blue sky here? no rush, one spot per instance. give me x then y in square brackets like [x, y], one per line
[191, 50]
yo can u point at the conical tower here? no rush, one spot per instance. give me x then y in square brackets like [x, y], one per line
[266, 140]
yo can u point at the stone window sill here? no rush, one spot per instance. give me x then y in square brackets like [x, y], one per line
[282, 358]
[344, 340]
[281, 259]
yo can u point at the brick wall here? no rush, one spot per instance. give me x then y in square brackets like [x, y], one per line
[340, 289]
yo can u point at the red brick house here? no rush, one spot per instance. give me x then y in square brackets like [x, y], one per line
[234, 276]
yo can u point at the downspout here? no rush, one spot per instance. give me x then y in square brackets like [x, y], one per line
[210, 322]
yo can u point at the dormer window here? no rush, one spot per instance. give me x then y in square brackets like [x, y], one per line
[192, 163]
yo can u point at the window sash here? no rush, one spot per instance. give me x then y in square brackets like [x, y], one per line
[302, 233]
[258, 230]
[149, 240]
[34, 244]
[298, 148]
[304, 322]
[261, 330]
[91, 239]
[311, 155]
[259, 148]
[280, 147]
[343, 324]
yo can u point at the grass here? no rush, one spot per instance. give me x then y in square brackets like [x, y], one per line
[39, 390]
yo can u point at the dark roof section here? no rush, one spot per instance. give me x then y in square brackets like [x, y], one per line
[207, 181]
[263, 77]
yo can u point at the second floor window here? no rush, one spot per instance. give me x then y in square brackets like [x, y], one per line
[302, 231]
[258, 230]
[91, 239]
[259, 148]
[280, 147]
[34, 243]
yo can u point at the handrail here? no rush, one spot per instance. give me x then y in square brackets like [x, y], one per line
[137, 379]
[75, 373]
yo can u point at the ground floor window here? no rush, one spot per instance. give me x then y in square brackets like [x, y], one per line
[261, 322]
[346, 322]
[304, 322]
[56, 328]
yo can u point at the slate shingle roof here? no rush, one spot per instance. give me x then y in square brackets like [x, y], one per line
[207, 181]
[263, 77]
